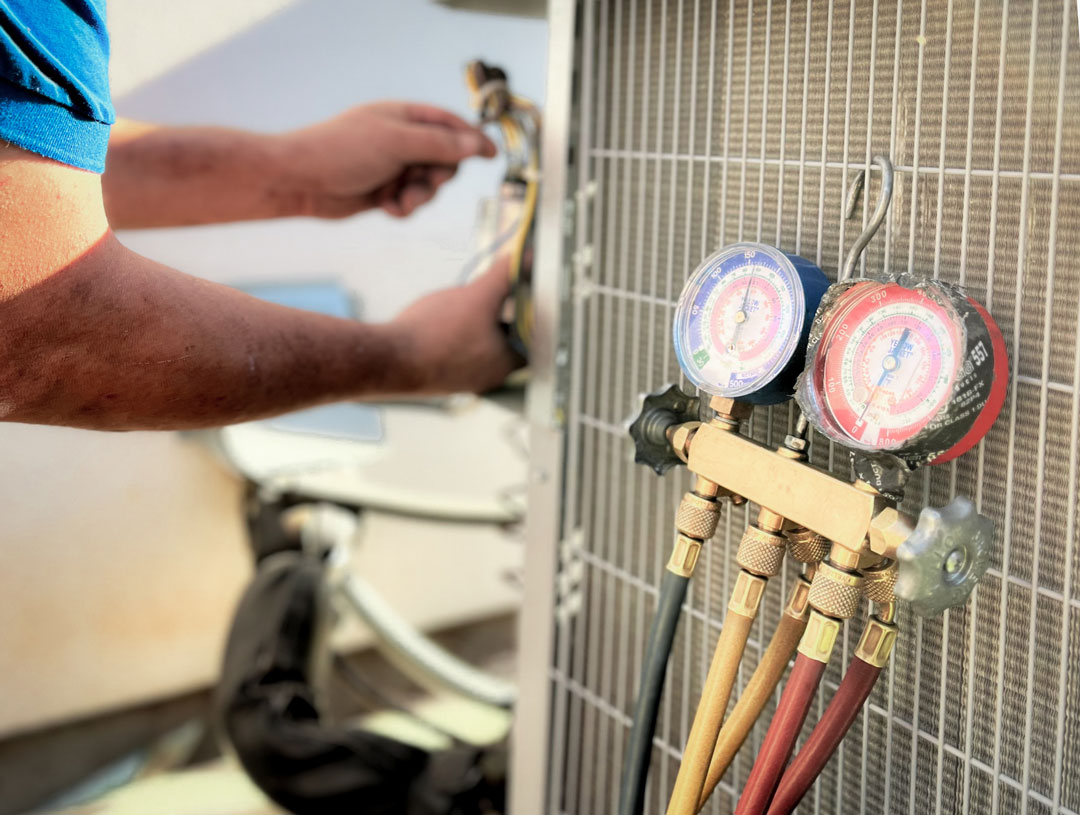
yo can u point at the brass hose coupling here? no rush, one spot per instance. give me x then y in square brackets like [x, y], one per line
[806, 545]
[879, 583]
[695, 521]
[798, 604]
[835, 591]
[746, 594]
[876, 643]
[820, 636]
[879, 635]
[761, 552]
[834, 597]
[697, 516]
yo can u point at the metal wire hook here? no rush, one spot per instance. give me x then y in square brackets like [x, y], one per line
[884, 199]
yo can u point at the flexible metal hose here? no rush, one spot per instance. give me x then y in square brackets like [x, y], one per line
[710, 714]
[755, 696]
[419, 657]
[653, 672]
[780, 739]
[844, 708]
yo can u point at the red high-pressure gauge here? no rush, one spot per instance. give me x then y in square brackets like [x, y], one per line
[919, 371]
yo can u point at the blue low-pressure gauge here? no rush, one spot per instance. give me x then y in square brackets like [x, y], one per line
[742, 322]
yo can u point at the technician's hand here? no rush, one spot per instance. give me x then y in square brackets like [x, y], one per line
[453, 339]
[393, 155]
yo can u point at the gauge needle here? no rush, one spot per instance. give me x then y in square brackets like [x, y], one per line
[740, 315]
[890, 364]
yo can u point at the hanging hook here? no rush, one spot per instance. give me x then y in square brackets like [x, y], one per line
[884, 199]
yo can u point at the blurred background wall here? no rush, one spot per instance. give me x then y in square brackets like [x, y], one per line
[123, 554]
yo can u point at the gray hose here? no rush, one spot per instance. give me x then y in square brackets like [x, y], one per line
[653, 673]
[419, 657]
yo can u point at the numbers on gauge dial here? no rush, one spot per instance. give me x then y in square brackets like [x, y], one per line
[743, 321]
[890, 363]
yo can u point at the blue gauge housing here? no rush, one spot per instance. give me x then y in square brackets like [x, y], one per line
[743, 320]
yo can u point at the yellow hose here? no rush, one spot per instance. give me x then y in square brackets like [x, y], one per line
[755, 696]
[710, 715]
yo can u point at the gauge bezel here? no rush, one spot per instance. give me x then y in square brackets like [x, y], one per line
[848, 317]
[699, 279]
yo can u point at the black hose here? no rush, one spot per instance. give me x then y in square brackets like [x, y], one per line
[651, 686]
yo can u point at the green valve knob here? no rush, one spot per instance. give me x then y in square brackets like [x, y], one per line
[943, 559]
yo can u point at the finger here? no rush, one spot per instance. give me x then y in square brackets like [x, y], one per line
[434, 144]
[393, 209]
[415, 196]
[437, 176]
[494, 284]
[429, 114]
[387, 199]
[434, 175]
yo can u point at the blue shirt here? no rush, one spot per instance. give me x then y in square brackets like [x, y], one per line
[54, 79]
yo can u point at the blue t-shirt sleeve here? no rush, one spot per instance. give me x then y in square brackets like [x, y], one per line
[54, 79]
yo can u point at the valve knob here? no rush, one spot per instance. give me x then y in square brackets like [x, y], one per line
[659, 411]
[943, 559]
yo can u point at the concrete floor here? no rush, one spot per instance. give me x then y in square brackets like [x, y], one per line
[218, 786]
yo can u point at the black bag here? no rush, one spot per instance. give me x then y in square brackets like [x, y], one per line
[266, 705]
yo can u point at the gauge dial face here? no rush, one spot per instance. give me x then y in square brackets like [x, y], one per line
[739, 319]
[888, 360]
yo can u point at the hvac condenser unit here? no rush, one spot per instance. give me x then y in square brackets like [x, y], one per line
[677, 127]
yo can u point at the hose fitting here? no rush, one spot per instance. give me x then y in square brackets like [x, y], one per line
[747, 593]
[806, 545]
[798, 604]
[697, 516]
[820, 636]
[836, 592]
[761, 552]
[876, 642]
[684, 556]
[879, 582]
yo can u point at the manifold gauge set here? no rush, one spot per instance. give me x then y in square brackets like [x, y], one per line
[901, 372]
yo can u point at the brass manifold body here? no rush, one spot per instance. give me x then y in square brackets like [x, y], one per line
[863, 526]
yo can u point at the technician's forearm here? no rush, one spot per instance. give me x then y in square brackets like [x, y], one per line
[116, 342]
[173, 176]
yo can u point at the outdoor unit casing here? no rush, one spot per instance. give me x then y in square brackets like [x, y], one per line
[690, 124]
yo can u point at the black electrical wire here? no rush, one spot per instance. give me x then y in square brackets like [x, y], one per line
[651, 686]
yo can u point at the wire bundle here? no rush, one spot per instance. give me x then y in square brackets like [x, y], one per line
[519, 121]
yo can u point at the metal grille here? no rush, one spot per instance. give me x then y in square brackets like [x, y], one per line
[705, 122]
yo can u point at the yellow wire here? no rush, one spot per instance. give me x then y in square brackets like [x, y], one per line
[519, 145]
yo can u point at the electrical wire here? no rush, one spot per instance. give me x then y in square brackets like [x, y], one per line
[519, 122]
[493, 248]
[653, 672]
[373, 699]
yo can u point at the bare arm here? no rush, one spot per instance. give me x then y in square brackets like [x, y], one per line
[93, 335]
[393, 155]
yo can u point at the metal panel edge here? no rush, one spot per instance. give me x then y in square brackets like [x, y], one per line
[529, 755]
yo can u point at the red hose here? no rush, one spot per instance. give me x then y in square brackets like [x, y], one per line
[780, 739]
[844, 708]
